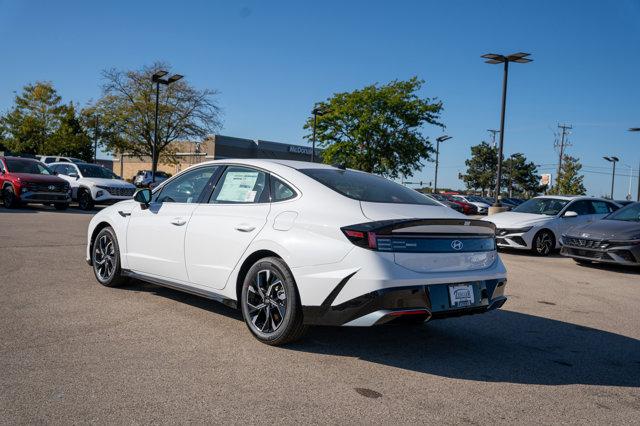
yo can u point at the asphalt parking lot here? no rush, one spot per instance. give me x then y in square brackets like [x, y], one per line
[565, 348]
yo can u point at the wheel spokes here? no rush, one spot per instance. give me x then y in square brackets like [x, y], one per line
[266, 301]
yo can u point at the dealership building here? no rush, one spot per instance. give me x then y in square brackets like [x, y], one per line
[213, 148]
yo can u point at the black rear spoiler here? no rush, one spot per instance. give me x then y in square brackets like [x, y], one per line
[383, 227]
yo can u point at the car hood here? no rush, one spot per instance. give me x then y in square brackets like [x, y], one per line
[29, 177]
[108, 182]
[385, 211]
[517, 220]
[607, 229]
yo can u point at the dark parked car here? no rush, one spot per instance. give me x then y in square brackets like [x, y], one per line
[28, 181]
[614, 239]
[442, 199]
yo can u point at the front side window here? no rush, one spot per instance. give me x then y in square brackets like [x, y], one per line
[367, 187]
[545, 206]
[241, 185]
[187, 187]
[582, 207]
[27, 166]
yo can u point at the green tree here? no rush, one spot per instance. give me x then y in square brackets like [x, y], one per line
[33, 120]
[377, 128]
[126, 112]
[481, 167]
[570, 181]
[520, 176]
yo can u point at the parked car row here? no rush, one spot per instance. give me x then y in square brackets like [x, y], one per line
[587, 229]
[29, 181]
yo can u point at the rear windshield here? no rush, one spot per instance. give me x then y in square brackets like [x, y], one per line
[27, 166]
[367, 187]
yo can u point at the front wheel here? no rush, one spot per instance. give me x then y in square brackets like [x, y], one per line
[85, 202]
[9, 199]
[105, 258]
[543, 243]
[270, 303]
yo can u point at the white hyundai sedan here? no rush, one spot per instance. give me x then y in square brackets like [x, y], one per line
[538, 224]
[293, 244]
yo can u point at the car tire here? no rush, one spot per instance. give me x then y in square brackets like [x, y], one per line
[61, 206]
[9, 199]
[105, 258]
[270, 303]
[85, 202]
[543, 243]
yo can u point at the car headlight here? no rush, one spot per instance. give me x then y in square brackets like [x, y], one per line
[518, 230]
[106, 188]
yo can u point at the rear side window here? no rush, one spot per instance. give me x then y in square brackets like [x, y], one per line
[367, 187]
[50, 160]
[280, 191]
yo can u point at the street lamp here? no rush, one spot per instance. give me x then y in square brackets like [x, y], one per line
[317, 112]
[492, 58]
[612, 160]
[438, 140]
[157, 78]
[637, 129]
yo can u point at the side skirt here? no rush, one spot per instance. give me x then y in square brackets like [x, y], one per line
[182, 287]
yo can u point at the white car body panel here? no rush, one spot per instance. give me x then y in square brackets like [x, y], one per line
[199, 246]
[93, 185]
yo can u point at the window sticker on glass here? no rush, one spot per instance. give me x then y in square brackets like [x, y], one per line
[238, 187]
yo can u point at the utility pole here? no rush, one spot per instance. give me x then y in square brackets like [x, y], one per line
[564, 142]
[96, 135]
[493, 136]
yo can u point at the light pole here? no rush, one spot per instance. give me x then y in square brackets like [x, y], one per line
[637, 129]
[628, 197]
[612, 160]
[317, 112]
[157, 78]
[438, 140]
[492, 58]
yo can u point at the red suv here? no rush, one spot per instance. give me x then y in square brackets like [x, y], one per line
[27, 181]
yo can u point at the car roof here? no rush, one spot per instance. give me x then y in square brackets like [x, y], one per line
[11, 157]
[265, 163]
[570, 197]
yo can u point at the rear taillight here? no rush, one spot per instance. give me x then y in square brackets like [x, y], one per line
[363, 239]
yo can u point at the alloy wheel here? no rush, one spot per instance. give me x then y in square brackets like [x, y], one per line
[266, 299]
[104, 257]
[544, 243]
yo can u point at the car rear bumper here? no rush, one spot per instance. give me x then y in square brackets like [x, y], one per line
[391, 304]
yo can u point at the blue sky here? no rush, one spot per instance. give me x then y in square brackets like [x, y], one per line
[271, 60]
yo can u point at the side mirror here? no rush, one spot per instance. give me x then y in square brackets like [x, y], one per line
[74, 175]
[570, 213]
[143, 196]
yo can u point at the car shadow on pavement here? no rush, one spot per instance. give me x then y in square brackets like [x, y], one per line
[500, 346]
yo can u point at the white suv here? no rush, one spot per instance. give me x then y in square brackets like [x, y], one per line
[92, 184]
[49, 159]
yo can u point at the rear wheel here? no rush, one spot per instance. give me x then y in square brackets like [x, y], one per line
[543, 243]
[9, 199]
[270, 303]
[105, 257]
[84, 200]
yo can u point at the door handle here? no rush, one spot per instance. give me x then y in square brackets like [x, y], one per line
[178, 221]
[245, 228]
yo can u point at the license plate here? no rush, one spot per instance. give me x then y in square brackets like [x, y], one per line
[461, 295]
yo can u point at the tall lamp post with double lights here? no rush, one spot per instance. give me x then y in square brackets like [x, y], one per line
[612, 160]
[637, 129]
[492, 58]
[317, 112]
[158, 80]
[438, 140]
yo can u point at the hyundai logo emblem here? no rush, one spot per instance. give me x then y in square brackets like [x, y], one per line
[456, 245]
[51, 187]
